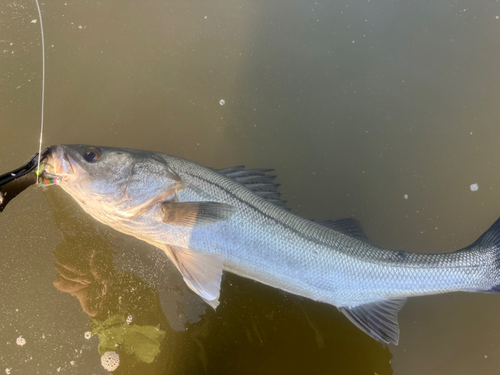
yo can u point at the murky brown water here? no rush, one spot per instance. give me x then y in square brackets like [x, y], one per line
[355, 103]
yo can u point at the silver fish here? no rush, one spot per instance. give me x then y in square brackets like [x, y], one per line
[232, 219]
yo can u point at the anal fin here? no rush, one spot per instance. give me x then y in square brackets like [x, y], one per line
[201, 272]
[377, 319]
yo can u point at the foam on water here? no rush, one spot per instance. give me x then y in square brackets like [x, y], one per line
[21, 341]
[110, 361]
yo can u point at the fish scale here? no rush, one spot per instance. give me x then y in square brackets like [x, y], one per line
[208, 221]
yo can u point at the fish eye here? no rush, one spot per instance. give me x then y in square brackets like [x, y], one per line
[92, 154]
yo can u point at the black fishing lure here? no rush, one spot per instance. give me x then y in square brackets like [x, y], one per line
[15, 182]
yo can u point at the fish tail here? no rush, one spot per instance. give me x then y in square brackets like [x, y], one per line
[487, 248]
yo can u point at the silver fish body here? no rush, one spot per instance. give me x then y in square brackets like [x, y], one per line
[149, 195]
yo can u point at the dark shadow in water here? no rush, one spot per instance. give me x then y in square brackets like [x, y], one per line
[255, 330]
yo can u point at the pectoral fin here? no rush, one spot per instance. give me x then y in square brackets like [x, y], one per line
[201, 272]
[189, 214]
[377, 319]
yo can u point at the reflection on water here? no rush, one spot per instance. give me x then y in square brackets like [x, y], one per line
[262, 330]
[124, 311]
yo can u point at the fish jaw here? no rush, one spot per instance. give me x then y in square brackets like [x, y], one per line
[69, 167]
[62, 163]
[59, 166]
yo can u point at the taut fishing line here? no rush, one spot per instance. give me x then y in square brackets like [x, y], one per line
[43, 87]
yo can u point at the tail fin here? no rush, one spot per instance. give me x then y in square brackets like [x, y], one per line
[489, 244]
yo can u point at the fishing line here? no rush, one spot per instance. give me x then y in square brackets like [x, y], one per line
[43, 87]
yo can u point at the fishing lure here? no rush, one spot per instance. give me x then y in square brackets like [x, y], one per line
[45, 180]
[15, 182]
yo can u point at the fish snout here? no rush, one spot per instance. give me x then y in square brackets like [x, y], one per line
[61, 163]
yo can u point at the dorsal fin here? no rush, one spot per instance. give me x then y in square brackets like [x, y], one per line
[231, 169]
[377, 319]
[258, 181]
[349, 226]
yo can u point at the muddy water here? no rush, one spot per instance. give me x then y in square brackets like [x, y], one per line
[386, 111]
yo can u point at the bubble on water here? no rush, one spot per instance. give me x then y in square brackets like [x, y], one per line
[474, 187]
[405, 196]
[129, 319]
[222, 102]
[87, 335]
[110, 361]
[20, 341]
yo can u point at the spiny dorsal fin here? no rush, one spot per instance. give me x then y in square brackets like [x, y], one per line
[201, 272]
[349, 226]
[258, 181]
[190, 214]
[253, 179]
[377, 319]
[231, 169]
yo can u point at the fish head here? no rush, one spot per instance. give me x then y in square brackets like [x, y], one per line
[97, 170]
[111, 183]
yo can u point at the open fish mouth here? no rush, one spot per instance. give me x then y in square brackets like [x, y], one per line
[62, 163]
[57, 166]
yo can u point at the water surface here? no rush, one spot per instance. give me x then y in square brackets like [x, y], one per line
[386, 111]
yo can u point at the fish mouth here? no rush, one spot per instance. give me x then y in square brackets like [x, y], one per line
[59, 164]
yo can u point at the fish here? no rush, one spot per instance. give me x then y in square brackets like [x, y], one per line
[209, 221]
